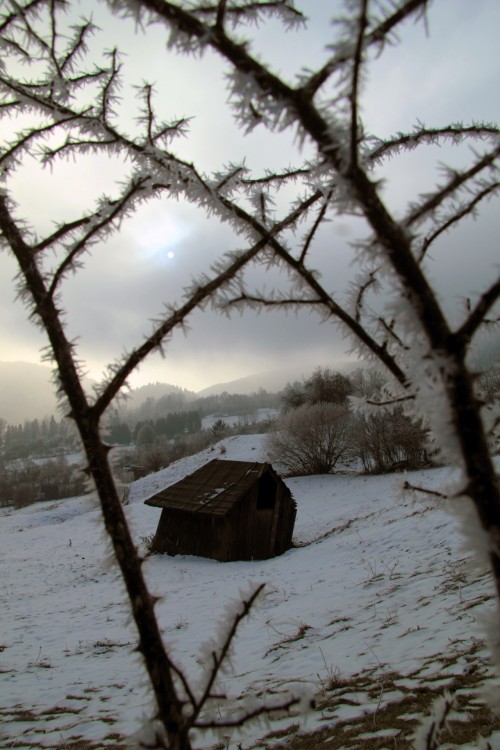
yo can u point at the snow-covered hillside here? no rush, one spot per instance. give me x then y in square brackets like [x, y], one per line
[376, 585]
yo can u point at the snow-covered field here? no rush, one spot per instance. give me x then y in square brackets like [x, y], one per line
[376, 585]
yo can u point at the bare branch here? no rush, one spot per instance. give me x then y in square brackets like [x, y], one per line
[357, 62]
[478, 314]
[101, 220]
[314, 228]
[220, 656]
[430, 136]
[457, 216]
[248, 715]
[458, 180]
[377, 36]
[425, 490]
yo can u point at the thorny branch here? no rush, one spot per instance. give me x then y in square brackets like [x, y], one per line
[356, 73]
[338, 175]
[467, 209]
[377, 36]
[477, 316]
[391, 236]
[430, 136]
[220, 656]
[456, 182]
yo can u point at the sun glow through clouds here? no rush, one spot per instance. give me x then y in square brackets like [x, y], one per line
[155, 237]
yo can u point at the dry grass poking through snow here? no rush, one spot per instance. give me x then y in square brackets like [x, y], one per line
[386, 708]
[376, 610]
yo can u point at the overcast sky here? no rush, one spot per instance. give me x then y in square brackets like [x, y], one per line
[447, 75]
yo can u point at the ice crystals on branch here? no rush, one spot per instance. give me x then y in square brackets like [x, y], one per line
[455, 134]
[428, 734]
[393, 315]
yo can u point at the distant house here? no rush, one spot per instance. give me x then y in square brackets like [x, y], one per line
[226, 510]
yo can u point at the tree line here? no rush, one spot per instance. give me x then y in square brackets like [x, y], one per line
[39, 438]
[146, 431]
[27, 481]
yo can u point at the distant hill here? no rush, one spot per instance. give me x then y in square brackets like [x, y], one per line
[275, 380]
[26, 392]
[157, 390]
[137, 397]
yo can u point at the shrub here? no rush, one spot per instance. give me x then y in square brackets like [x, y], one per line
[311, 439]
[388, 441]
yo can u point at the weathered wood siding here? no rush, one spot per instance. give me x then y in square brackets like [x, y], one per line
[256, 526]
[183, 533]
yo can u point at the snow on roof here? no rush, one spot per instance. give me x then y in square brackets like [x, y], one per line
[212, 489]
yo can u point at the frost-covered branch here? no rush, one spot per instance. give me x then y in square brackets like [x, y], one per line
[324, 299]
[408, 330]
[356, 73]
[456, 216]
[429, 733]
[142, 604]
[377, 36]
[248, 12]
[220, 653]
[456, 181]
[477, 316]
[12, 17]
[249, 715]
[98, 224]
[421, 135]
[279, 105]
[198, 296]
[317, 223]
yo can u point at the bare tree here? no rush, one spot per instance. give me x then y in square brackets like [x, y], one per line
[311, 439]
[389, 440]
[324, 386]
[57, 105]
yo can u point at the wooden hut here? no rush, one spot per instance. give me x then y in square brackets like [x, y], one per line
[226, 510]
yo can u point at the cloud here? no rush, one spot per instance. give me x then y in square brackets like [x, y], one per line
[127, 281]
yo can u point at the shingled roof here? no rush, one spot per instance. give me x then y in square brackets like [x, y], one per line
[213, 489]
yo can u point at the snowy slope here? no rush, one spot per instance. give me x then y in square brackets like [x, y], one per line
[375, 582]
